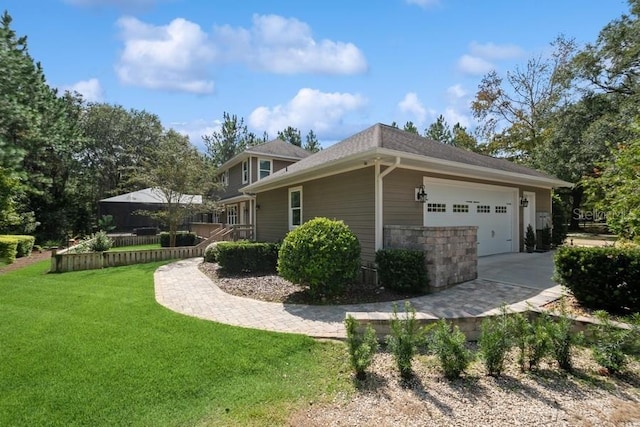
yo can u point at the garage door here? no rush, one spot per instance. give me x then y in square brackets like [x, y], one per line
[490, 208]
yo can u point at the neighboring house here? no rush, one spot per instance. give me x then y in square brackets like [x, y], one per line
[371, 180]
[124, 207]
[252, 165]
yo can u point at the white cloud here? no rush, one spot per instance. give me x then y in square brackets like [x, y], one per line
[479, 59]
[423, 3]
[172, 57]
[494, 51]
[456, 92]
[474, 65]
[412, 105]
[453, 116]
[91, 89]
[309, 109]
[196, 129]
[286, 46]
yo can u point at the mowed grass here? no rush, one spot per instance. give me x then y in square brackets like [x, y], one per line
[94, 348]
[135, 247]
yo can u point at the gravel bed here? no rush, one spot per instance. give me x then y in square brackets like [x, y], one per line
[548, 397]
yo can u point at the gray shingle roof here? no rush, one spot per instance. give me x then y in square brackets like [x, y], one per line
[278, 147]
[151, 196]
[380, 136]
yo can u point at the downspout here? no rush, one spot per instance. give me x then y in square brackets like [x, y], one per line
[379, 224]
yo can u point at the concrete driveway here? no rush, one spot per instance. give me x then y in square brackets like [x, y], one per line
[532, 270]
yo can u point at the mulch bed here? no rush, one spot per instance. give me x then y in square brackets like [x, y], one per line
[273, 288]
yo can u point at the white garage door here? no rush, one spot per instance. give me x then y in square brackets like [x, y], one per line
[491, 208]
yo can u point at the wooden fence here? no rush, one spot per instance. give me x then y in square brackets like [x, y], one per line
[119, 241]
[63, 262]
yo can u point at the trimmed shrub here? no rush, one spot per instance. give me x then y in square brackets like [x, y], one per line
[495, 341]
[447, 342]
[25, 245]
[100, 242]
[323, 254]
[8, 249]
[405, 337]
[562, 339]
[183, 238]
[402, 270]
[532, 339]
[247, 257]
[362, 346]
[559, 219]
[610, 343]
[211, 252]
[605, 278]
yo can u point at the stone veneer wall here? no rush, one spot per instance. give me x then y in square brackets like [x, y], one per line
[451, 253]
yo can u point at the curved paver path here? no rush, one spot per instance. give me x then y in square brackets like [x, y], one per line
[182, 287]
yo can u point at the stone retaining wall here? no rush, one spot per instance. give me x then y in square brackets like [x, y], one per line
[451, 253]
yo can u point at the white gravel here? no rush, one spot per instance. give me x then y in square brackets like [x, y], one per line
[546, 398]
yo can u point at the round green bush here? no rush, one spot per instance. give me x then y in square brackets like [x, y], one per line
[323, 254]
[211, 252]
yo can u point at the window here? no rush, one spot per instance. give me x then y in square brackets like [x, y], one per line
[232, 214]
[224, 178]
[460, 208]
[483, 209]
[436, 207]
[264, 168]
[245, 171]
[295, 207]
[501, 209]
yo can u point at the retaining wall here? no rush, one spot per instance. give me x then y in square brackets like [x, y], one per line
[451, 253]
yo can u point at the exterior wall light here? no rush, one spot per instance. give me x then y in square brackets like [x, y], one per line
[524, 202]
[421, 195]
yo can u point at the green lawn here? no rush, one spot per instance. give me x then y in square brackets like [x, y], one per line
[94, 348]
[135, 247]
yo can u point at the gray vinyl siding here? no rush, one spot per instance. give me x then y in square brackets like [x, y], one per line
[398, 200]
[235, 181]
[272, 218]
[348, 196]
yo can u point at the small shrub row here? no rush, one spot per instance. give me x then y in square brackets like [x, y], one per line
[183, 238]
[245, 257]
[323, 254]
[402, 270]
[535, 339]
[605, 278]
[15, 246]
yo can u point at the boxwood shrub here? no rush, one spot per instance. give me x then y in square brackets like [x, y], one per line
[323, 254]
[605, 278]
[183, 238]
[8, 249]
[247, 257]
[402, 270]
[25, 245]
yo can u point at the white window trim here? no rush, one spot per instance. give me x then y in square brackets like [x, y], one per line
[290, 208]
[245, 171]
[270, 167]
[234, 209]
[224, 177]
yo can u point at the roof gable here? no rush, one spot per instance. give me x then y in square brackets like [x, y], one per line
[277, 149]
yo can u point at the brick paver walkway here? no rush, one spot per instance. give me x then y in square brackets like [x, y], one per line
[183, 288]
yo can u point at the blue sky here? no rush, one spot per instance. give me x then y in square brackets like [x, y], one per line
[333, 66]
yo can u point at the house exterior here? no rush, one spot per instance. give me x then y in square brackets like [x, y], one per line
[384, 177]
[251, 166]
